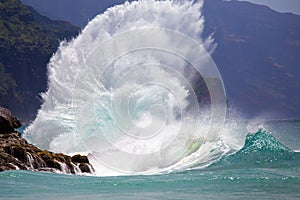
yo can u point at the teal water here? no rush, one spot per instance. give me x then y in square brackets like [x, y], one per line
[220, 184]
[264, 168]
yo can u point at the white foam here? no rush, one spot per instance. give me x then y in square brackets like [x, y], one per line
[78, 114]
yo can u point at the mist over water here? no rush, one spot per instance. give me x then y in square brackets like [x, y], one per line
[123, 91]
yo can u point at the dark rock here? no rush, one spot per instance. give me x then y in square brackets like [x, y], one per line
[7, 149]
[17, 153]
[53, 164]
[8, 122]
[5, 126]
[5, 168]
[44, 155]
[84, 168]
[20, 153]
[71, 167]
[80, 159]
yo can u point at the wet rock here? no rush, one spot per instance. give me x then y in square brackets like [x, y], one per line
[84, 168]
[8, 122]
[53, 164]
[80, 159]
[20, 153]
[16, 153]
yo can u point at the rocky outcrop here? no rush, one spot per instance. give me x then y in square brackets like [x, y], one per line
[8, 122]
[17, 154]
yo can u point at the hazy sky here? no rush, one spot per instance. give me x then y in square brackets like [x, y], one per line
[280, 5]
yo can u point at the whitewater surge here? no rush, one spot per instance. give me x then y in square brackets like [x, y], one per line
[124, 91]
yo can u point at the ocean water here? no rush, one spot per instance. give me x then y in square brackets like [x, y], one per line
[263, 168]
[124, 92]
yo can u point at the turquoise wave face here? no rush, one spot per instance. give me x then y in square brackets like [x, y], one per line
[261, 149]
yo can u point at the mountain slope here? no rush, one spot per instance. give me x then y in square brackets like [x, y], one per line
[27, 41]
[82, 10]
[258, 56]
[257, 53]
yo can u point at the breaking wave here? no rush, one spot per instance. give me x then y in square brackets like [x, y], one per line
[129, 91]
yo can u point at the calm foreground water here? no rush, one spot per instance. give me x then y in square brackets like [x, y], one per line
[253, 172]
[219, 184]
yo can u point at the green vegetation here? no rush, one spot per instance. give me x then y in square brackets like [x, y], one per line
[7, 83]
[27, 41]
[18, 30]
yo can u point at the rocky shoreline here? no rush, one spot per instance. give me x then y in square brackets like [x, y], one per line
[17, 154]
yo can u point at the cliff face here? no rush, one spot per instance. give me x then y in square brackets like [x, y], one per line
[27, 41]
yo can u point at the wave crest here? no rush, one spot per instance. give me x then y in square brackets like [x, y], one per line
[124, 90]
